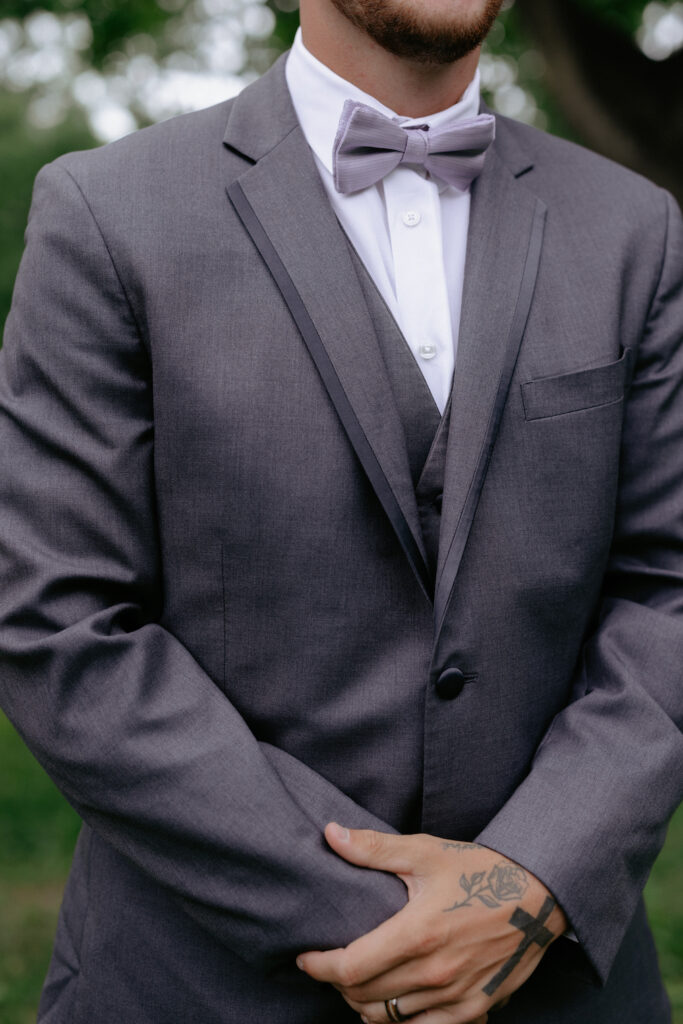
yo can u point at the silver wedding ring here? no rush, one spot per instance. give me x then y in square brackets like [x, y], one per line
[393, 1012]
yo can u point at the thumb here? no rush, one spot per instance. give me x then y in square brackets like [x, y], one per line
[370, 849]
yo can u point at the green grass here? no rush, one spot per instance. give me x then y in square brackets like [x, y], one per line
[664, 896]
[37, 833]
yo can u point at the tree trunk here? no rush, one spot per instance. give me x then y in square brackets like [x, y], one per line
[620, 102]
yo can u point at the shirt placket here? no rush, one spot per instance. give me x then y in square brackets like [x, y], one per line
[414, 221]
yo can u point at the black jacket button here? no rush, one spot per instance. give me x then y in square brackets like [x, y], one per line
[450, 683]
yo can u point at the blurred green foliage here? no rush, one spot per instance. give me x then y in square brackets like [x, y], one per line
[23, 152]
[38, 831]
[112, 21]
[626, 14]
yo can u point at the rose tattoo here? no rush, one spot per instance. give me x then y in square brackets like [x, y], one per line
[503, 882]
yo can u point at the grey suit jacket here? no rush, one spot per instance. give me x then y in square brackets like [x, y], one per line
[217, 630]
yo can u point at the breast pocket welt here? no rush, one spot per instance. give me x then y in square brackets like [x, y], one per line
[576, 391]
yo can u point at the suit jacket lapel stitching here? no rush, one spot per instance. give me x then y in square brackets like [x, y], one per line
[313, 342]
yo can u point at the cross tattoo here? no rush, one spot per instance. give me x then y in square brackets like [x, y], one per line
[534, 932]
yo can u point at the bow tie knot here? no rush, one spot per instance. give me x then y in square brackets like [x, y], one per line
[416, 144]
[368, 146]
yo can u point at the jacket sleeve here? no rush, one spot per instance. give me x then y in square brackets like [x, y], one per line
[591, 816]
[130, 727]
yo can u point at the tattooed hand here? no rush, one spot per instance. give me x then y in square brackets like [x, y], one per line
[475, 927]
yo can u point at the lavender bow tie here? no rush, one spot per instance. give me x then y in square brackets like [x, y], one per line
[369, 145]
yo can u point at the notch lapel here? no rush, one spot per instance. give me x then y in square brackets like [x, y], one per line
[504, 248]
[282, 203]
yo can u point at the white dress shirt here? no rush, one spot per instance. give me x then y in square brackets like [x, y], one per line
[410, 232]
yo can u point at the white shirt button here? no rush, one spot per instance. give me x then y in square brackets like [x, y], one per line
[427, 351]
[411, 218]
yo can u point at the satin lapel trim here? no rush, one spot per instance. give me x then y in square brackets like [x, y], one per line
[504, 248]
[283, 205]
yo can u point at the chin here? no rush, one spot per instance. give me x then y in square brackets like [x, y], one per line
[427, 31]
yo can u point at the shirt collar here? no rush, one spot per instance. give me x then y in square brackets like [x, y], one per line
[318, 95]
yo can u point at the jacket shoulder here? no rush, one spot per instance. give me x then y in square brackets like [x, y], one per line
[563, 170]
[178, 146]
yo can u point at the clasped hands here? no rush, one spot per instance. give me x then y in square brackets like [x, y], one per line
[474, 928]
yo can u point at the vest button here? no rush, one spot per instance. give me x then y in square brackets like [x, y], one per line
[450, 683]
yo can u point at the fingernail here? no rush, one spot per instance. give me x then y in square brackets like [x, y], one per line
[300, 963]
[340, 833]
[365, 1020]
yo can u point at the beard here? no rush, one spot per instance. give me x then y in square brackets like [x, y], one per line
[408, 33]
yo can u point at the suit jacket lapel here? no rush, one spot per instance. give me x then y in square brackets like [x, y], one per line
[283, 205]
[504, 247]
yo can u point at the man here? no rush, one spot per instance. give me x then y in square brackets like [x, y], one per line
[269, 563]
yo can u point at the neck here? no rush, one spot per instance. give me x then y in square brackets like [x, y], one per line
[410, 88]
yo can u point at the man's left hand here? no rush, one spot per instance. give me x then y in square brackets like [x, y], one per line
[475, 927]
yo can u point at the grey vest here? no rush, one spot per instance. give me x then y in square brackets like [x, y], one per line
[425, 430]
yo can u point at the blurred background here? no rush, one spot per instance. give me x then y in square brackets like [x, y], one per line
[80, 73]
